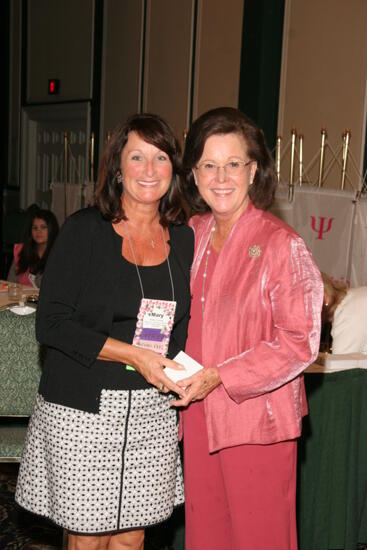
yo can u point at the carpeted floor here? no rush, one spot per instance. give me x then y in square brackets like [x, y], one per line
[20, 530]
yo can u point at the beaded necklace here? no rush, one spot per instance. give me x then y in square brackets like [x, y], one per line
[202, 299]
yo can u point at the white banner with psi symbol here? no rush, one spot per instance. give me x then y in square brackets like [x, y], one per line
[324, 219]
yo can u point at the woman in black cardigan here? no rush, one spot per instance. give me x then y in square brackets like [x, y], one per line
[101, 457]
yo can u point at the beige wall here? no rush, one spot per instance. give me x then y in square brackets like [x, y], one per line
[166, 83]
[324, 72]
[218, 54]
[168, 59]
[60, 45]
[121, 62]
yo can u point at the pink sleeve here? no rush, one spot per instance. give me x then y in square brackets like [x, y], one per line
[296, 294]
[16, 251]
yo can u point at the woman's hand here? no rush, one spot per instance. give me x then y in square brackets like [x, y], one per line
[146, 362]
[150, 365]
[198, 386]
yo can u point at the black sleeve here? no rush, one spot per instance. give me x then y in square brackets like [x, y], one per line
[66, 273]
[179, 337]
[184, 252]
[183, 248]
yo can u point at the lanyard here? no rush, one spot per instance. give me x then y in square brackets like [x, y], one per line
[137, 267]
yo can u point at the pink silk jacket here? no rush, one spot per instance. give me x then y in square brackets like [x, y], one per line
[261, 328]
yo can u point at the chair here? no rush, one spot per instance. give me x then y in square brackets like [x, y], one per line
[20, 371]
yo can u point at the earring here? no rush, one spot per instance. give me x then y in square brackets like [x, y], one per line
[119, 177]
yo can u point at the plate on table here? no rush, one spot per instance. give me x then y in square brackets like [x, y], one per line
[22, 310]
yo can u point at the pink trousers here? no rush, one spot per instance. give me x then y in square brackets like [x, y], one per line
[240, 498]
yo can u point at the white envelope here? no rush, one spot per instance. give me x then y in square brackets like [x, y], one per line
[191, 367]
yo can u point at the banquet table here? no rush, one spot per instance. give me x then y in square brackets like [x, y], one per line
[332, 461]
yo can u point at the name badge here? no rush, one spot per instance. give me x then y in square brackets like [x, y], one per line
[154, 325]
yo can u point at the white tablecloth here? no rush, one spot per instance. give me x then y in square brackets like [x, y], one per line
[338, 363]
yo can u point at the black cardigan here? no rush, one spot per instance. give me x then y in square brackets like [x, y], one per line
[75, 310]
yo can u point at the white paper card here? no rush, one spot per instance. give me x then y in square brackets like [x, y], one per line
[191, 367]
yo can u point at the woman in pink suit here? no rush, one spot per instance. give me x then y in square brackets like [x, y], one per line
[255, 326]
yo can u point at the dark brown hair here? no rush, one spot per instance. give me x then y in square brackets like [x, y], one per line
[227, 120]
[28, 257]
[154, 130]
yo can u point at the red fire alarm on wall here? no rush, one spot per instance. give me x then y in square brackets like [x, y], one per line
[53, 86]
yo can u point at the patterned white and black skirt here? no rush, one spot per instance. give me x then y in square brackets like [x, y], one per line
[107, 472]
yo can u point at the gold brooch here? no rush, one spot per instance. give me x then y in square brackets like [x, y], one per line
[254, 251]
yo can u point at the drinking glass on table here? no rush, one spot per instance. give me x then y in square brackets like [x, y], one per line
[14, 292]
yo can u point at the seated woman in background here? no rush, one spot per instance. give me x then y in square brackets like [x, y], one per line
[346, 309]
[30, 257]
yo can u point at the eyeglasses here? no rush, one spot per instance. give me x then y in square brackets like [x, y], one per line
[232, 168]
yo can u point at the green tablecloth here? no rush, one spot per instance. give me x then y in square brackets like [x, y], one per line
[332, 483]
[20, 369]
